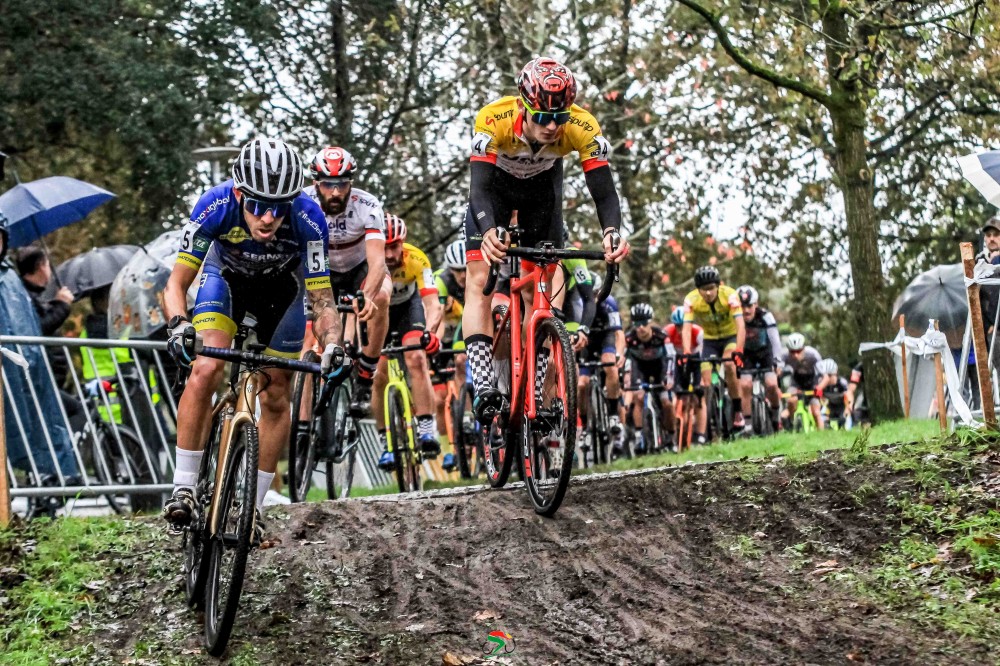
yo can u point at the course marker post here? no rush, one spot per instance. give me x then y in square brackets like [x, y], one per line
[979, 338]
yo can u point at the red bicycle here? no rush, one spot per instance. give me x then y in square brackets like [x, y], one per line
[539, 414]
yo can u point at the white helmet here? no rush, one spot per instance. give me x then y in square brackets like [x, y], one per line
[454, 254]
[597, 280]
[796, 341]
[748, 295]
[269, 169]
[827, 366]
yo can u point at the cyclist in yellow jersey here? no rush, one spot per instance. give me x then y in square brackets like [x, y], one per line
[413, 310]
[716, 308]
[516, 164]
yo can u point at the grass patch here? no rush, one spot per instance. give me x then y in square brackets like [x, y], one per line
[743, 546]
[944, 569]
[795, 445]
[55, 571]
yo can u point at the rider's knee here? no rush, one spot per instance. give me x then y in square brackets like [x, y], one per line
[416, 361]
[206, 374]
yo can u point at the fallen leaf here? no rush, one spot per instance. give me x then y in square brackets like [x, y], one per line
[759, 535]
[484, 615]
[990, 540]
[420, 576]
[449, 659]
[415, 627]
[828, 563]
[854, 656]
[269, 543]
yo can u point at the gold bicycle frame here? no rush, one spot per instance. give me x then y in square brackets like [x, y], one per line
[235, 408]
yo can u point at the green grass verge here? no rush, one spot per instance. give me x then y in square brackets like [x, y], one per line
[783, 444]
[62, 570]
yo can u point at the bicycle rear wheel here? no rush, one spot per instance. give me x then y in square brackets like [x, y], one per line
[304, 434]
[759, 416]
[651, 426]
[231, 544]
[549, 440]
[338, 426]
[597, 422]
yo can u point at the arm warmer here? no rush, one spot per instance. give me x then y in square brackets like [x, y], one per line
[589, 303]
[480, 197]
[602, 188]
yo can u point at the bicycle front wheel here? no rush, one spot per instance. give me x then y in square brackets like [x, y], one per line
[549, 440]
[407, 461]
[340, 427]
[231, 544]
[304, 433]
[460, 440]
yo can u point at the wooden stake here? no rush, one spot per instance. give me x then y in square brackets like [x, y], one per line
[4, 487]
[979, 339]
[906, 382]
[939, 385]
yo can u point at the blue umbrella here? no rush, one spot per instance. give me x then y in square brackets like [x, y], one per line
[42, 206]
[983, 171]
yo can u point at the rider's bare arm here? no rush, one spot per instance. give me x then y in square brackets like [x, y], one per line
[432, 311]
[326, 325]
[175, 293]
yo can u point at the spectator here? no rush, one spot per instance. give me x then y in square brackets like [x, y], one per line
[36, 273]
[17, 317]
[988, 296]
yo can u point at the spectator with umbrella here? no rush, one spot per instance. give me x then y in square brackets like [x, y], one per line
[989, 295]
[31, 417]
[36, 273]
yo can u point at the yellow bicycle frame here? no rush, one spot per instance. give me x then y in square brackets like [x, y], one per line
[397, 380]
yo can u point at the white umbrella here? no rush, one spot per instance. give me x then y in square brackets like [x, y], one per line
[983, 171]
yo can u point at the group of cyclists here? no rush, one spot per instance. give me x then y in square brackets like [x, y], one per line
[286, 251]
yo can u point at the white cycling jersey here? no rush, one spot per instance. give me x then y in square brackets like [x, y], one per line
[361, 220]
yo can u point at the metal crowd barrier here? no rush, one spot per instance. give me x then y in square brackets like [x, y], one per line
[125, 463]
[120, 428]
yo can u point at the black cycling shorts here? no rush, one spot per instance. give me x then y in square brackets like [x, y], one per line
[407, 317]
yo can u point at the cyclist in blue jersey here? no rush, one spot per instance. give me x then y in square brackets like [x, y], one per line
[606, 343]
[260, 243]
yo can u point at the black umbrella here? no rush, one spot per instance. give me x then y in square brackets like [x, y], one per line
[935, 294]
[94, 269]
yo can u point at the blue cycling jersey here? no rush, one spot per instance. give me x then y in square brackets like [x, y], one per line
[218, 231]
[608, 317]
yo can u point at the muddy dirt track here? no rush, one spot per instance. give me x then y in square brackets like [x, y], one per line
[636, 570]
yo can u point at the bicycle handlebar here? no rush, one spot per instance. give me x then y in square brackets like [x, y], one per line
[643, 386]
[346, 306]
[597, 364]
[550, 255]
[257, 361]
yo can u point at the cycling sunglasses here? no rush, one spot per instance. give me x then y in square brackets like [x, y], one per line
[334, 184]
[545, 117]
[259, 207]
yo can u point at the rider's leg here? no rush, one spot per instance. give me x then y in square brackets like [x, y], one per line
[667, 416]
[272, 427]
[817, 413]
[773, 394]
[477, 326]
[195, 410]
[423, 399]
[746, 388]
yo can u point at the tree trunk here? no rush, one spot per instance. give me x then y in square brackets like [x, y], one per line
[856, 181]
[343, 113]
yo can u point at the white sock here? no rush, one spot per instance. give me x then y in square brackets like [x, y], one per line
[187, 464]
[263, 485]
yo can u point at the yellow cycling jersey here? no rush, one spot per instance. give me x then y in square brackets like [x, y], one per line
[414, 273]
[718, 319]
[499, 139]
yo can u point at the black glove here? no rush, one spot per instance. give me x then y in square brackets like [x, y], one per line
[184, 342]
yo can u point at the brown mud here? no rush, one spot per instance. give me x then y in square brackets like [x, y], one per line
[688, 566]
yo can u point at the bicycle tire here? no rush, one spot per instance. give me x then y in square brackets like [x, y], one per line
[196, 543]
[459, 443]
[407, 468]
[760, 418]
[303, 434]
[597, 423]
[239, 484]
[546, 476]
[102, 468]
[497, 439]
[650, 428]
[122, 461]
[726, 415]
[339, 426]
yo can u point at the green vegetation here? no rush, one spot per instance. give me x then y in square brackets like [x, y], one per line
[59, 577]
[784, 444]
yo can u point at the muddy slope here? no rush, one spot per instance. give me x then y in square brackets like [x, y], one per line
[690, 566]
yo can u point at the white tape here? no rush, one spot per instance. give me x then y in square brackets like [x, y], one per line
[15, 357]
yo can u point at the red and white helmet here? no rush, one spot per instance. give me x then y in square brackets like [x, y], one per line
[547, 85]
[395, 228]
[332, 162]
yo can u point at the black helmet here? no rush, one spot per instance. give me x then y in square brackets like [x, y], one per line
[641, 312]
[705, 276]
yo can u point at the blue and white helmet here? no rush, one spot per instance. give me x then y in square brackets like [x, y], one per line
[454, 255]
[269, 169]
